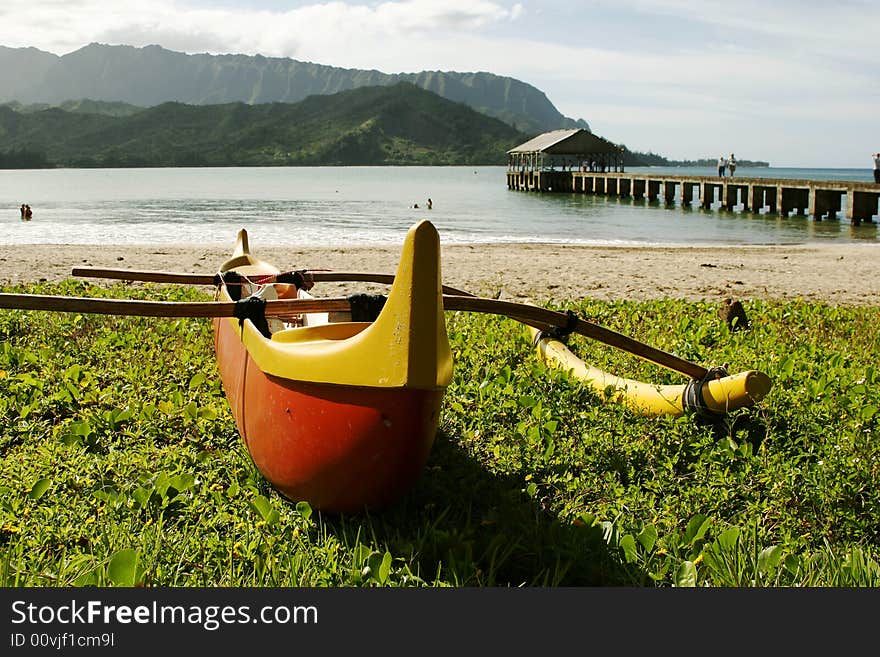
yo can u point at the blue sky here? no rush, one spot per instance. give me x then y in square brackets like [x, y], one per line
[795, 83]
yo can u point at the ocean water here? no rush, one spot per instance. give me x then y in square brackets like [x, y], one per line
[307, 206]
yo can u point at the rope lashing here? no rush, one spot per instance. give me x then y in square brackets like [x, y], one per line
[301, 278]
[558, 332]
[692, 398]
[254, 309]
[366, 307]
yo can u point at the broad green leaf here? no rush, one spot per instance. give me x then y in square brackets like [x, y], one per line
[728, 539]
[163, 481]
[304, 509]
[648, 537]
[686, 575]
[793, 564]
[628, 545]
[361, 554]
[123, 569]
[122, 416]
[182, 482]
[208, 413]
[696, 528]
[385, 568]
[39, 488]
[192, 410]
[769, 558]
[89, 578]
[263, 508]
[141, 496]
[786, 367]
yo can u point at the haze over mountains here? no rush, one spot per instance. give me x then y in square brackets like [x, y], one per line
[153, 75]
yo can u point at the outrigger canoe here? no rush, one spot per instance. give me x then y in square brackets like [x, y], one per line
[340, 409]
[341, 414]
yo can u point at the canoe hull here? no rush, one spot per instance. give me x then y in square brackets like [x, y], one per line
[341, 448]
[339, 414]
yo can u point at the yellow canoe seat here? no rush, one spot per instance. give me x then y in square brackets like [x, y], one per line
[337, 331]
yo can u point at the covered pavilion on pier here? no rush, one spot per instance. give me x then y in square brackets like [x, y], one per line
[566, 150]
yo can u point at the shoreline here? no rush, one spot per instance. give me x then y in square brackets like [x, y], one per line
[838, 274]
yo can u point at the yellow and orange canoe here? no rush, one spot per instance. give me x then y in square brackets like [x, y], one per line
[339, 414]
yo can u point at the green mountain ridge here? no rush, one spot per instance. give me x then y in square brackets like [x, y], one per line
[123, 80]
[397, 125]
[152, 75]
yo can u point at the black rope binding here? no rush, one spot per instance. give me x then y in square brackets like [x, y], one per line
[254, 309]
[692, 398]
[366, 307]
[559, 332]
[233, 282]
[297, 278]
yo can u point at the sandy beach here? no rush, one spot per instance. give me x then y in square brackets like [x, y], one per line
[839, 274]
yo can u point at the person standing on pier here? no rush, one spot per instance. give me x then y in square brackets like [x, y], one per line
[731, 164]
[876, 157]
[722, 164]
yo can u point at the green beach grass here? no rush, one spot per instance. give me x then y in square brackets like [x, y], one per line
[120, 463]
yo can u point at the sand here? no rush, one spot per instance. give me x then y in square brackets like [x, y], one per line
[839, 274]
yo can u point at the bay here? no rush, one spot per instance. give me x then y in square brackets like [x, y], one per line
[361, 206]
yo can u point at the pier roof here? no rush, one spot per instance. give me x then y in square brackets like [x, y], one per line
[575, 141]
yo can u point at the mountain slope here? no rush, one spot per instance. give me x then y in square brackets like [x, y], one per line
[400, 124]
[153, 75]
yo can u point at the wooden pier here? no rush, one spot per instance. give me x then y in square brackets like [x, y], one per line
[783, 196]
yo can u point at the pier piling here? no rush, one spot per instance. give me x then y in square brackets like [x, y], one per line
[780, 196]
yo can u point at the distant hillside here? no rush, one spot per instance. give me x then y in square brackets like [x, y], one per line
[396, 125]
[637, 159]
[83, 106]
[153, 75]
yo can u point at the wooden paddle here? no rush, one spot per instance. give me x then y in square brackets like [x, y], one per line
[540, 318]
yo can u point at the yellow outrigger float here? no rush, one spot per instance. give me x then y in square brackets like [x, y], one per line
[715, 394]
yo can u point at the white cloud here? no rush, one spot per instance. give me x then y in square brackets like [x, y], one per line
[61, 27]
